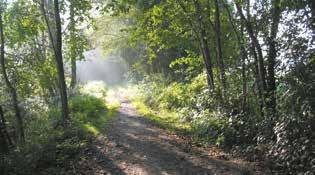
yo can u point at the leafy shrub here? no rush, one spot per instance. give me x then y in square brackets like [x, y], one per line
[294, 148]
[87, 105]
[50, 149]
[209, 127]
[286, 144]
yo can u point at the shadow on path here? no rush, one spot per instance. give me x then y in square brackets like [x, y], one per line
[135, 146]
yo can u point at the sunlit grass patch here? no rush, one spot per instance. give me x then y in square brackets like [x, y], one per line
[97, 89]
[91, 110]
[112, 97]
[89, 128]
[93, 119]
[164, 118]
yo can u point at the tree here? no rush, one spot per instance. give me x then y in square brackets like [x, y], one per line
[55, 35]
[76, 41]
[272, 54]
[5, 140]
[219, 47]
[10, 87]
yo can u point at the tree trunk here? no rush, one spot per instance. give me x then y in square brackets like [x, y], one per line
[219, 48]
[243, 57]
[201, 36]
[60, 68]
[256, 50]
[72, 47]
[73, 72]
[260, 58]
[205, 46]
[4, 145]
[311, 4]
[12, 90]
[271, 102]
[207, 60]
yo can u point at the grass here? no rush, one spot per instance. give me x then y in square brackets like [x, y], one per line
[98, 125]
[51, 149]
[92, 109]
[163, 118]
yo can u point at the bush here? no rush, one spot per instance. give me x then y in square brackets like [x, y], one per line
[50, 149]
[294, 148]
[87, 105]
[209, 127]
[288, 142]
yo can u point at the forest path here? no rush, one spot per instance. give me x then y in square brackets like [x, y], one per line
[135, 146]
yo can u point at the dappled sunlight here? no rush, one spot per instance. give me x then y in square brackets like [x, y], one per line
[135, 146]
[91, 129]
[94, 88]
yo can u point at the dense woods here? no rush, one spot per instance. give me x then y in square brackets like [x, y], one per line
[239, 73]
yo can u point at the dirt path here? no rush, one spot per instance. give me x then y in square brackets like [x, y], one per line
[134, 146]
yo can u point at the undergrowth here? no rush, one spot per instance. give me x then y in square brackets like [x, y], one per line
[51, 149]
[164, 118]
[192, 109]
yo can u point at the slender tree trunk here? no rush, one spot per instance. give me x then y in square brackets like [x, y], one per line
[311, 4]
[219, 48]
[207, 60]
[4, 139]
[205, 46]
[12, 90]
[260, 58]
[256, 50]
[4, 148]
[276, 15]
[202, 37]
[72, 47]
[243, 54]
[243, 57]
[260, 91]
[73, 73]
[203, 56]
[59, 61]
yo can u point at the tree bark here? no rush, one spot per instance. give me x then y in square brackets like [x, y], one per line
[201, 36]
[260, 58]
[311, 4]
[59, 61]
[205, 46]
[73, 72]
[207, 60]
[243, 54]
[72, 47]
[4, 139]
[244, 78]
[11, 88]
[276, 15]
[219, 48]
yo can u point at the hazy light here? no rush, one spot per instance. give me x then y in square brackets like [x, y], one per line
[96, 68]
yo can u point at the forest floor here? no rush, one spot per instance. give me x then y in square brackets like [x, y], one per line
[133, 145]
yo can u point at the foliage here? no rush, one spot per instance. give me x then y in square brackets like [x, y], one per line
[200, 112]
[164, 118]
[51, 149]
[87, 105]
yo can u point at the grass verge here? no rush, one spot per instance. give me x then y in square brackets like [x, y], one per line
[163, 118]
